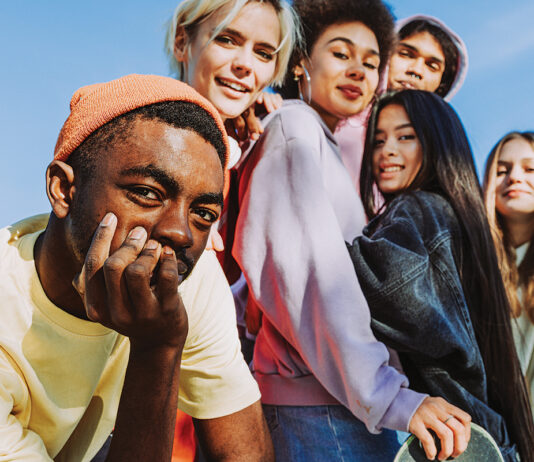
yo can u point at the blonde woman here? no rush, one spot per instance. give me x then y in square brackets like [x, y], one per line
[509, 198]
[230, 51]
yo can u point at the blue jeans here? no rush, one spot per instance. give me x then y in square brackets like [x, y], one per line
[326, 433]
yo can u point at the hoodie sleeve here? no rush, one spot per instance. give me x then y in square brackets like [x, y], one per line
[292, 252]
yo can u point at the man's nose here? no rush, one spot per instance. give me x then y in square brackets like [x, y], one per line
[416, 68]
[173, 229]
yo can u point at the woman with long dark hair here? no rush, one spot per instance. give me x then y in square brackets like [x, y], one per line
[509, 198]
[429, 272]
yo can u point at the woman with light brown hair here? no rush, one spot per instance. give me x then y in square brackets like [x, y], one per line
[509, 199]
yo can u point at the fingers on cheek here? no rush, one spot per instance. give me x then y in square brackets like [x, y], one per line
[113, 269]
[168, 277]
[93, 314]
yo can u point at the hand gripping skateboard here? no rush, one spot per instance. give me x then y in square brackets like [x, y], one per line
[481, 448]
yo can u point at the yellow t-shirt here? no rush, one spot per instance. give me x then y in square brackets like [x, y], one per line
[61, 377]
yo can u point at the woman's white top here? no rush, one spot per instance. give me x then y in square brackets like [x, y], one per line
[523, 330]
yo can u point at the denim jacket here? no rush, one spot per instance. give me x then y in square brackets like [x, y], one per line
[408, 262]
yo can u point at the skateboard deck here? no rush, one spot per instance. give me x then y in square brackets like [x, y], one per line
[481, 447]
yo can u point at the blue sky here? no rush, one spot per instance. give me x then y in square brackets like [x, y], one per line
[49, 49]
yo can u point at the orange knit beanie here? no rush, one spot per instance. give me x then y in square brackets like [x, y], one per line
[95, 105]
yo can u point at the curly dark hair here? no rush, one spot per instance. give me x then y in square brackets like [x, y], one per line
[317, 15]
[450, 51]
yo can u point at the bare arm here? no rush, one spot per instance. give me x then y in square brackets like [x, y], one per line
[127, 292]
[239, 437]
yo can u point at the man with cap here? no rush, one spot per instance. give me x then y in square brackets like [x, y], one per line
[112, 315]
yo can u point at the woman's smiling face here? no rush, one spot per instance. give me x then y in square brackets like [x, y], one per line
[514, 192]
[343, 68]
[233, 68]
[398, 154]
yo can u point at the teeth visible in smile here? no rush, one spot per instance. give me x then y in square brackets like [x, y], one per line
[233, 85]
[394, 168]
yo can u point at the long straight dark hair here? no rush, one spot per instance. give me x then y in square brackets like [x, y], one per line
[448, 169]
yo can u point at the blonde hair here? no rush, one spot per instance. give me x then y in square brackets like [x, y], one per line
[189, 14]
[513, 276]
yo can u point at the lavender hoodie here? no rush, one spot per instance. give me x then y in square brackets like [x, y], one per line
[297, 208]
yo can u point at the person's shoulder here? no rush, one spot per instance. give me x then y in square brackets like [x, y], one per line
[13, 238]
[421, 200]
[426, 210]
[295, 119]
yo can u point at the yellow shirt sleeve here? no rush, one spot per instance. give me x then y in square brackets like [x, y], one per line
[214, 379]
[16, 441]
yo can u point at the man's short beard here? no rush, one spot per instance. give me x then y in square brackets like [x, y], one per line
[82, 229]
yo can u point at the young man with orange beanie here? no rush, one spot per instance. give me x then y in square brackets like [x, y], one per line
[112, 315]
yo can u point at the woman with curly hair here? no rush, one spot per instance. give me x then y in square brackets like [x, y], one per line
[509, 199]
[328, 390]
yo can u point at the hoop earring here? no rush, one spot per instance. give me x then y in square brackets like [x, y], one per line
[306, 74]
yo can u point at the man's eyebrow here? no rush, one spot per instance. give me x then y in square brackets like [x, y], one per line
[351, 43]
[416, 50]
[209, 198]
[238, 34]
[157, 174]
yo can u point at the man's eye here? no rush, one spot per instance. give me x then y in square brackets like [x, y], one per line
[434, 66]
[145, 193]
[207, 214]
[404, 53]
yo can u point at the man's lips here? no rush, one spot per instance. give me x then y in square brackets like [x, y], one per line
[351, 91]
[233, 84]
[405, 84]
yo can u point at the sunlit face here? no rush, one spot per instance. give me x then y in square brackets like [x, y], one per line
[238, 63]
[514, 193]
[343, 69]
[165, 179]
[398, 154]
[418, 63]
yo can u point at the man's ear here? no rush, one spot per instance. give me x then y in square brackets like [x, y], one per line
[181, 41]
[60, 187]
